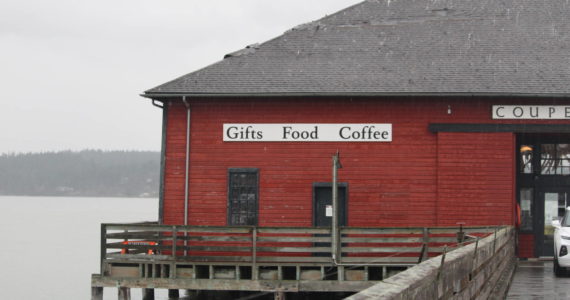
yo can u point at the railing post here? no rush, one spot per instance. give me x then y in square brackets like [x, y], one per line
[174, 241]
[254, 253]
[474, 260]
[339, 246]
[103, 248]
[494, 240]
[440, 271]
[425, 240]
[185, 240]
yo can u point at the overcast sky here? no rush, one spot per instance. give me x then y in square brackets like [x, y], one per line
[71, 71]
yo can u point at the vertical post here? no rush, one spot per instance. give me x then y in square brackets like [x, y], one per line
[425, 240]
[96, 293]
[103, 248]
[148, 294]
[124, 293]
[186, 173]
[334, 224]
[474, 260]
[279, 295]
[174, 241]
[440, 271]
[494, 240]
[173, 294]
[254, 253]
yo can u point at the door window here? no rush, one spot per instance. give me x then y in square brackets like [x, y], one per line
[526, 204]
[555, 159]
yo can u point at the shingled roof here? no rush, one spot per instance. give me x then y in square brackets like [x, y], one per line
[403, 47]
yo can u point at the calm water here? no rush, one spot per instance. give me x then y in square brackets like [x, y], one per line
[51, 244]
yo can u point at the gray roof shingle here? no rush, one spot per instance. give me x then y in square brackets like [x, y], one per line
[403, 47]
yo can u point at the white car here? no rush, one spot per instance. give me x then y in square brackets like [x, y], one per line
[561, 243]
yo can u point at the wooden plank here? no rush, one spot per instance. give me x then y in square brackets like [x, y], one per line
[294, 239]
[443, 239]
[137, 247]
[246, 250]
[217, 238]
[216, 258]
[283, 259]
[235, 285]
[354, 230]
[294, 249]
[383, 249]
[381, 260]
[292, 230]
[381, 240]
[136, 234]
[167, 228]
[139, 257]
[453, 230]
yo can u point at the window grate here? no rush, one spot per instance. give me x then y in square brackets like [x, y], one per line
[242, 196]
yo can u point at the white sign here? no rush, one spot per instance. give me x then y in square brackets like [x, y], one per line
[529, 112]
[328, 211]
[307, 132]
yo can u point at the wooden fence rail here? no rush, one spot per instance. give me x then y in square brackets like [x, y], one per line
[254, 245]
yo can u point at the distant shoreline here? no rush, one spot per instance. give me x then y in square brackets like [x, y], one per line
[87, 173]
[51, 196]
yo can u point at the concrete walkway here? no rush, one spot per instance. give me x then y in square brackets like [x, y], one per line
[535, 280]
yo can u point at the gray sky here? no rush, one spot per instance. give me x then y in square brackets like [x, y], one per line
[71, 71]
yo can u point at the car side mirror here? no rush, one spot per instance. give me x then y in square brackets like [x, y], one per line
[556, 223]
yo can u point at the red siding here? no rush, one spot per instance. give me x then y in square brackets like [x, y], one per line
[526, 245]
[390, 184]
[175, 165]
[475, 178]
[419, 179]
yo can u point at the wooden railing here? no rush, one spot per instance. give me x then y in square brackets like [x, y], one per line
[257, 245]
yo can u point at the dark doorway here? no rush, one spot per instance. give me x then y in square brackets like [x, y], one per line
[322, 204]
[543, 186]
[322, 209]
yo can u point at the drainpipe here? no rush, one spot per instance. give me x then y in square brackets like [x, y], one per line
[186, 176]
[164, 108]
[186, 187]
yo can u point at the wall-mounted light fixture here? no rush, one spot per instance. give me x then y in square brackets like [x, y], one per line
[449, 109]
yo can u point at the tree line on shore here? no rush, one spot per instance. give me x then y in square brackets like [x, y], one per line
[94, 173]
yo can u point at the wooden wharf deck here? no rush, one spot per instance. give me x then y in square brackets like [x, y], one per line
[536, 280]
[284, 259]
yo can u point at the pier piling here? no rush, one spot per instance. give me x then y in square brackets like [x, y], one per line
[173, 294]
[148, 294]
[96, 293]
[124, 293]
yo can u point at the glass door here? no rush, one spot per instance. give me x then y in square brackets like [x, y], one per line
[553, 204]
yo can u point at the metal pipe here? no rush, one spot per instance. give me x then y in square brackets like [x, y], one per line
[334, 225]
[186, 175]
[164, 108]
[157, 105]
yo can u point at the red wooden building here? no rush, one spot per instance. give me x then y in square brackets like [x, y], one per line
[443, 112]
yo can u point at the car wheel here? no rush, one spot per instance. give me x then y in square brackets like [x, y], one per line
[558, 271]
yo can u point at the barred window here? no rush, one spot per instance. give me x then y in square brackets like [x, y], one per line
[242, 196]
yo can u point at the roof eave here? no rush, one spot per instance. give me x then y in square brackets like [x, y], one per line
[164, 96]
